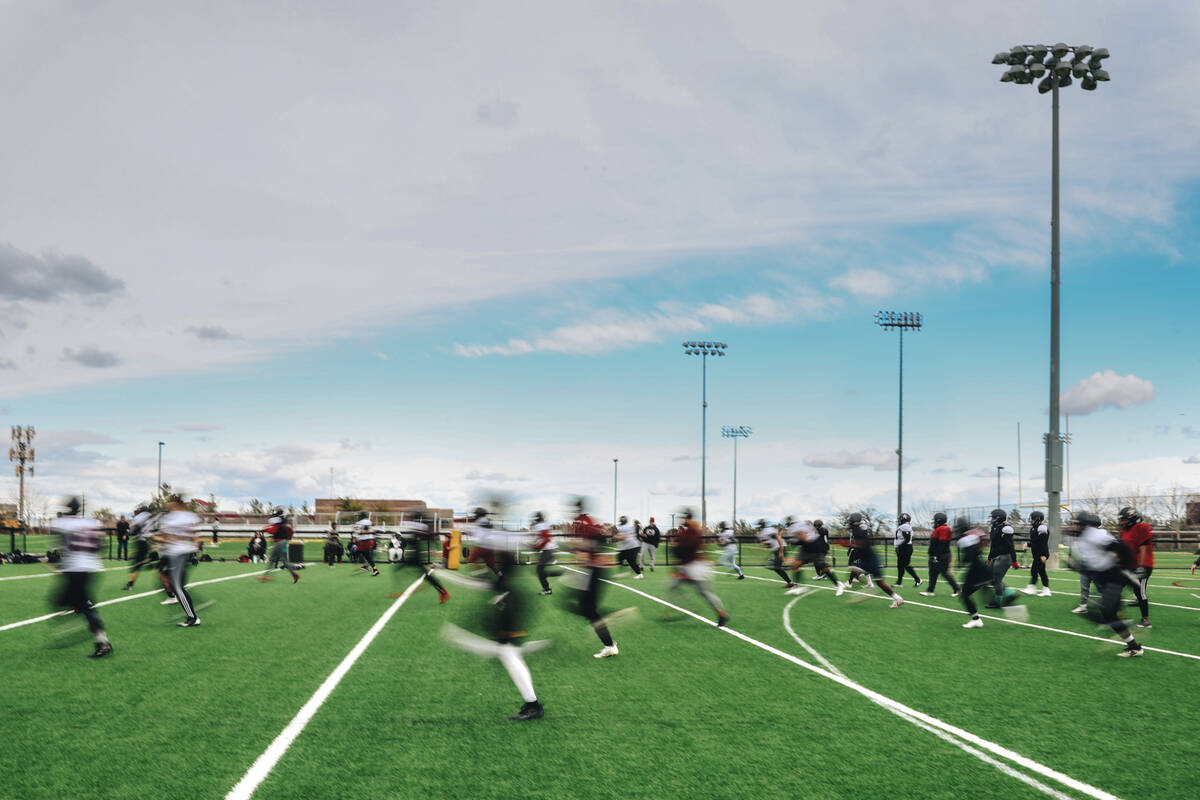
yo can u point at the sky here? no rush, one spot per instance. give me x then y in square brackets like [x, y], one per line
[450, 251]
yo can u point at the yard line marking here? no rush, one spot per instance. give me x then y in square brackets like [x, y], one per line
[49, 574]
[263, 765]
[870, 694]
[1164, 605]
[1075, 581]
[966, 748]
[45, 617]
[989, 617]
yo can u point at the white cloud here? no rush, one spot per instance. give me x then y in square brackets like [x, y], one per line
[879, 460]
[1106, 390]
[865, 283]
[610, 329]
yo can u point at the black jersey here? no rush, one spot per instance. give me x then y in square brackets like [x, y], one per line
[1039, 540]
[1002, 541]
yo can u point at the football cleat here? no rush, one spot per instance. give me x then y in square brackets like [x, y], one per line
[545, 592]
[793, 590]
[295, 577]
[926, 594]
[608, 652]
[1131, 651]
[955, 593]
[919, 582]
[528, 711]
[974, 622]
[841, 589]
[1080, 609]
[722, 620]
[443, 596]
[1030, 589]
[1045, 592]
[170, 601]
[897, 601]
[639, 576]
[741, 577]
[102, 649]
[190, 623]
[1144, 624]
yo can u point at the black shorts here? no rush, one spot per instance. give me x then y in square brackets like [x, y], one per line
[75, 594]
[814, 557]
[141, 552]
[164, 565]
[868, 562]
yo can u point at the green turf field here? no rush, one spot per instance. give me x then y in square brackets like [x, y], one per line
[686, 709]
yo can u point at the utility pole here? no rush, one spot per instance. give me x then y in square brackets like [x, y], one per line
[158, 489]
[22, 456]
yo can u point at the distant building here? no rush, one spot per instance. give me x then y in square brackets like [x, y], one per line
[387, 509]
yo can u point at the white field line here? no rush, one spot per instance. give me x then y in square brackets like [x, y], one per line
[115, 600]
[1164, 605]
[966, 748]
[1075, 580]
[263, 765]
[987, 617]
[907, 711]
[50, 574]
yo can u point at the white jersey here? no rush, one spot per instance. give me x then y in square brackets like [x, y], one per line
[904, 534]
[767, 537]
[726, 538]
[81, 538]
[179, 528]
[541, 535]
[362, 529]
[627, 537]
[795, 532]
[143, 525]
[1093, 553]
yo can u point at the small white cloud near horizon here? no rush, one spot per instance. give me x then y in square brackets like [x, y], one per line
[1106, 389]
[863, 282]
[878, 460]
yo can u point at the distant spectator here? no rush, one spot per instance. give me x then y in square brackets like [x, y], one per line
[333, 547]
[123, 538]
[216, 530]
[257, 548]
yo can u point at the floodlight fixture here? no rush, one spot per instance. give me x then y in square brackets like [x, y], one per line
[901, 321]
[1000, 58]
[735, 432]
[1061, 63]
[704, 349]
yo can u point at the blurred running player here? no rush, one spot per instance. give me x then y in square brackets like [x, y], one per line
[904, 550]
[811, 552]
[1139, 538]
[768, 536]
[1039, 551]
[867, 562]
[628, 545]
[177, 528]
[543, 542]
[366, 543]
[589, 535]
[728, 542]
[977, 574]
[1107, 560]
[280, 531]
[692, 567]
[80, 539]
[142, 530]
[1002, 555]
[415, 552]
[939, 555]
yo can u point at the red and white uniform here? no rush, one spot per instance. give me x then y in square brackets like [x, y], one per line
[1137, 537]
[542, 540]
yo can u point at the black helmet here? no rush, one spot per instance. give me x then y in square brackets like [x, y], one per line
[722, 525]
[73, 505]
[538, 517]
[624, 520]
[762, 523]
[1036, 518]
[478, 513]
[855, 521]
[818, 524]
[1087, 519]
[903, 518]
[939, 518]
[961, 526]
[999, 516]
[362, 515]
[789, 521]
[1129, 517]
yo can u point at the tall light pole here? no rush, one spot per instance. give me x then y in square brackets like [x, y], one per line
[901, 321]
[158, 490]
[735, 432]
[704, 350]
[22, 455]
[615, 491]
[1055, 65]
[998, 486]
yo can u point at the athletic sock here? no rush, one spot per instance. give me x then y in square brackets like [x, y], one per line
[100, 636]
[510, 657]
[602, 631]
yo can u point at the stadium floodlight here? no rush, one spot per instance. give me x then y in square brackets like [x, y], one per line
[1084, 65]
[1000, 58]
[905, 321]
[735, 432]
[704, 350]
[1037, 69]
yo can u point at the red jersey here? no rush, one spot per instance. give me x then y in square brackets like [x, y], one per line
[941, 532]
[688, 542]
[1140, 535]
